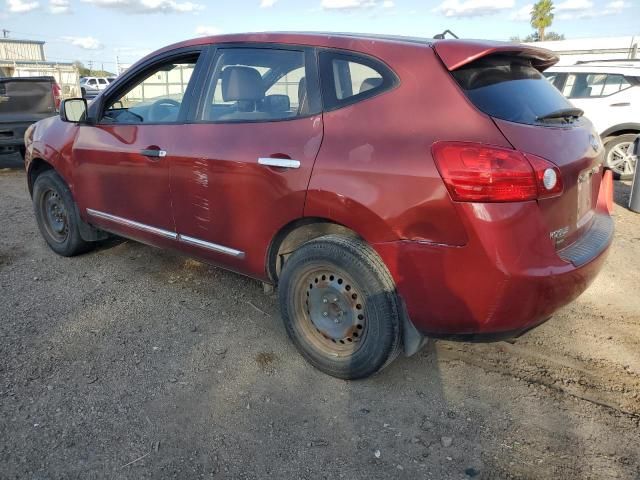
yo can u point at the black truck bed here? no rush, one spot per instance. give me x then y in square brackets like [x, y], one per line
[23, 101]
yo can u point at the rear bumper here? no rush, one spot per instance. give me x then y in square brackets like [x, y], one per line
[507, 279]
[12, 136]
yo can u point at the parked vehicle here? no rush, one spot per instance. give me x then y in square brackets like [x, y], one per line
[92, 86]
[24, 101]
[393, 188]
[609, 94]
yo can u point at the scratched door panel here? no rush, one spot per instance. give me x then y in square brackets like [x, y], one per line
[223, 195]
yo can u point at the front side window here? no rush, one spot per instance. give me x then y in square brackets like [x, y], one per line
[156, 97]
[350, 78]
[257, 84]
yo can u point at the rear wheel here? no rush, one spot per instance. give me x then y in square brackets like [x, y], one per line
[619, 156]
[56, 215]
[339, 307]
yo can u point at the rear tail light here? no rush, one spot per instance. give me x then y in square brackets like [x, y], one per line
[480, 173]
[55, 91]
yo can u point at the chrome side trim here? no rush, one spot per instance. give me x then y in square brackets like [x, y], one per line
[132, 224]
[167, 234]
[210, 246]
[279, 162]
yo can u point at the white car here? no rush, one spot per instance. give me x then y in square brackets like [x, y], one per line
[609, 94]
[92, 86]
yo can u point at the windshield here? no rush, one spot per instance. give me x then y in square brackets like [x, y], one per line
[510, 88]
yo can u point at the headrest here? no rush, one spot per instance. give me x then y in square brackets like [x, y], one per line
[241, 83]
[276, 103]
[370, 84]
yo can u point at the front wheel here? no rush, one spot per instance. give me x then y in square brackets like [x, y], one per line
[340, 308]
[55, 212]
[619, 156]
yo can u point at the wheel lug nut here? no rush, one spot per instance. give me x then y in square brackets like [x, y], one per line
[324, 300]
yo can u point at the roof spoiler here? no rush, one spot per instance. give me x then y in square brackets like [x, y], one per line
[458, 53]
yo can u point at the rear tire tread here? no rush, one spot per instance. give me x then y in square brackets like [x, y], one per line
[354, 255]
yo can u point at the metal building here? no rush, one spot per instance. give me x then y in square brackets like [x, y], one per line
[11, 49]
[26, 58]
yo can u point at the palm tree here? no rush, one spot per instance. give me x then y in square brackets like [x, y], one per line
[542, 16]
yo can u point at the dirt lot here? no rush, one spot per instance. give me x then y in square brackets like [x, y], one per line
[131, 362]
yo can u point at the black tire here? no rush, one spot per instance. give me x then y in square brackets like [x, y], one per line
[57, 215]
[619, 173]
[362, 303]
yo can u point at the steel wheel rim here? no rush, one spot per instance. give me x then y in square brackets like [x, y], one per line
[621, 160]
[330, 310]
[54, 215]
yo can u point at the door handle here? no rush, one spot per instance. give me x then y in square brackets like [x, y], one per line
[153, 153]
[279, 162]
[622, 104]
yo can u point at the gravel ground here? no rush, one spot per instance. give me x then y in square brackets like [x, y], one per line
[133, 363]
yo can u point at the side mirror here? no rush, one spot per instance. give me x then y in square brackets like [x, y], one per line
[73, 110]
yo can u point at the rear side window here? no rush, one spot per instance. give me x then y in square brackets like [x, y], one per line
[587, 85]
[347, 79]
[510, 89]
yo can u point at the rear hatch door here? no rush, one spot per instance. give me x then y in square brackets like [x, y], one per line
[506, 83]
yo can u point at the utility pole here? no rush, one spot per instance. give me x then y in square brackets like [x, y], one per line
[5, 33]
[90, 67]
[117, 65]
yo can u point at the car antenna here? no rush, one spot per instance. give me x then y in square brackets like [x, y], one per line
[441, 36]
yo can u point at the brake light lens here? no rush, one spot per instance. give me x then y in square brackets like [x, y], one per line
[55, 91]
[482, 173]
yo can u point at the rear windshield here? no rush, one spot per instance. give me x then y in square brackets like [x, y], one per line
[510, 88]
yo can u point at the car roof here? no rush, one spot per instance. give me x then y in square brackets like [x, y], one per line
[453, 53]
[301, 38]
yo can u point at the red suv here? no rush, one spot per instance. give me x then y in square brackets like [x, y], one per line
[393, 188]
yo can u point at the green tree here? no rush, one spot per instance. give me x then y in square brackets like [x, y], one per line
[535, 37]
[85, 72]
[542, 17]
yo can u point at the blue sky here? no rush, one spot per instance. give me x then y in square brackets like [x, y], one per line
[101, 30]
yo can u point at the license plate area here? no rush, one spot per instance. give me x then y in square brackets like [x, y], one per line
[585, 198]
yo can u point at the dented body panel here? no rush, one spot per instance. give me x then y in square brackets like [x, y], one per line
[459, 267]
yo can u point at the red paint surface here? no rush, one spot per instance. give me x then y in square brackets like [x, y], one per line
[459, 267]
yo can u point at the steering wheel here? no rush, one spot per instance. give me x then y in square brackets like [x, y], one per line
[159, 109]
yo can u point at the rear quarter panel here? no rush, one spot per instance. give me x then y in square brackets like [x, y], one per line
[375, 174]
